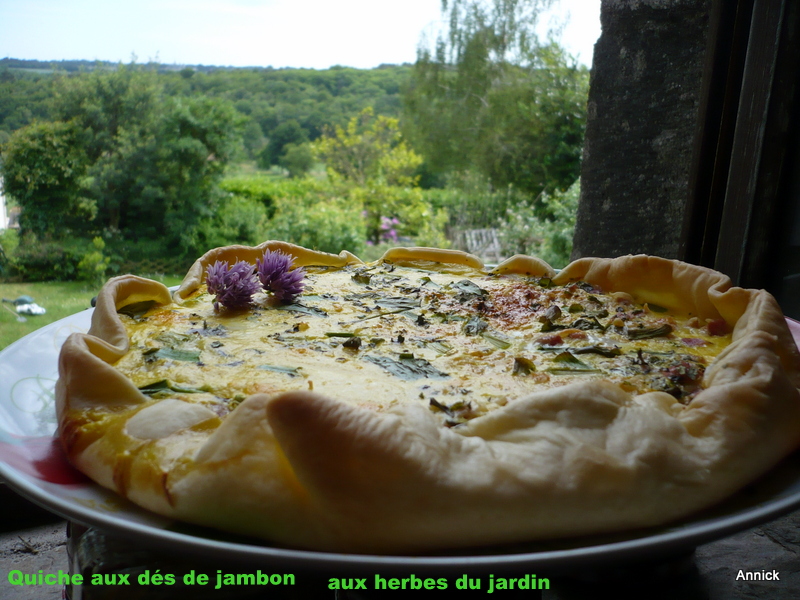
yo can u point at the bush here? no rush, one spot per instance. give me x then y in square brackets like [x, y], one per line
[472, 203]
[47, 261]
[93, 267]
[238, 220]
[327, 225]
[525, 231]
[414, 218]
[9, 240]
[258, 189]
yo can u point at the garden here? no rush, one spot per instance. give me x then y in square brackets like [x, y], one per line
[141, 168]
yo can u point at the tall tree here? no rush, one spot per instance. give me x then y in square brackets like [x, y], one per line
[490, 96]
[146, 166]
[42, 168]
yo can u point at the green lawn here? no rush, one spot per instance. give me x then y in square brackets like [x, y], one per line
[60, 299]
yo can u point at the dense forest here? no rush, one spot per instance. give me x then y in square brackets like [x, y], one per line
[110, 165]
[267, 97]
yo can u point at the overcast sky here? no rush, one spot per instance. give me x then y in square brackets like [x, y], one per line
[280, 33]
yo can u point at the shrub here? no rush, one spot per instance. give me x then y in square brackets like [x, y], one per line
[416, 219]
[9, 240]
[326, 225]
[238, 220]
[93, 266]
[47, 261]
[472, 202]
[524, 230]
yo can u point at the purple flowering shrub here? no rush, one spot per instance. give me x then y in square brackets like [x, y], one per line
[388, 229]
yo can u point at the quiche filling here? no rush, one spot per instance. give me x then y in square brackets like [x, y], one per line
[458, 340]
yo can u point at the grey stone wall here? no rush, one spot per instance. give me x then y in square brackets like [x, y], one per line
[642, 118]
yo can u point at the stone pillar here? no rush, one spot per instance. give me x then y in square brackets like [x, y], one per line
[642, 118]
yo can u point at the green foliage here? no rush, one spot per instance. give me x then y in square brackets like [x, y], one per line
[259, 189]
[9, 240]
[24, 98]
[369, 160]
[326, 225]
[93, 266]
[369, 149]
[122, 159]
[419, 222]
[288, 133]
[297, 159]
[46, 261]
[268, 190]
[545, 231]
[490, 97]
[42, 167]
[472, 202]
[238, 220]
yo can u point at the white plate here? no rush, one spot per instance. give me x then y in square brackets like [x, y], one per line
[33, 464]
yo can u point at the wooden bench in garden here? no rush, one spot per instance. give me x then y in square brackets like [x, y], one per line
[484, 244]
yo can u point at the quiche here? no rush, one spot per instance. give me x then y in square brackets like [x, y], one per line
[424, 402]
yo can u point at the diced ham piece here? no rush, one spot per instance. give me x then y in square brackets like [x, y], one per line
[717, 327]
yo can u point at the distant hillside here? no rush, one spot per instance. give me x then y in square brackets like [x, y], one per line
[266, 97]
[75, 66]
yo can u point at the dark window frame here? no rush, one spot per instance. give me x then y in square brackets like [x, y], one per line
[743, 183]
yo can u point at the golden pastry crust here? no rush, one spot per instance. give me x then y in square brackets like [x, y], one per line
[306, 470]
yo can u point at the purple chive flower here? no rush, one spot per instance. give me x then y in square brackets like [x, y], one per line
[276, 277]
[233, 287]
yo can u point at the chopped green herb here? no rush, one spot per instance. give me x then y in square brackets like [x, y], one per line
[548, 325]
[440, 346]
[523, 366]
[354, 343]
[598, 349]
[399, 303]
[467, 289]
[430, 283]
[649, 332]
[290, 371]
[568, 363]
[496, 339]
[303, 309]
[165, 385]
[181, 354]
[475, 325]
[137, 309]
[656, 308]
[434, 403]
[587, 323]
[362, 277]
[407, 369]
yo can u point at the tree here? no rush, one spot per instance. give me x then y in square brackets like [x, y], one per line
[297, 159]
[144, 166]
[378, 170]
[288, 132]
[42, 167]
[161, 181]
[490, 96]
[370, 148]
